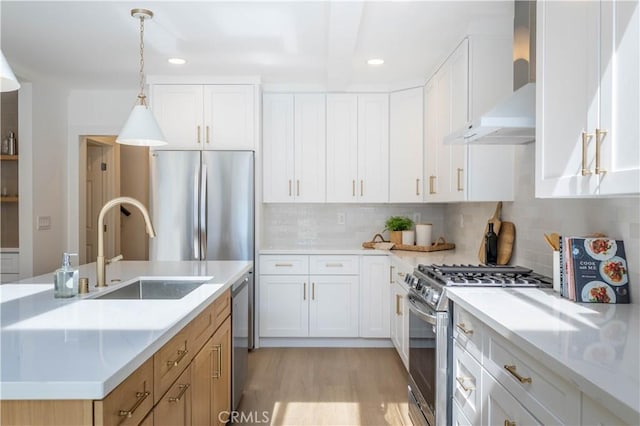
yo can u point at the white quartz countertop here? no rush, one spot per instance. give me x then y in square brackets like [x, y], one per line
[81, 348]
[594, 346]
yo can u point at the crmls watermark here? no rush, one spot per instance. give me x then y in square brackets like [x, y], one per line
[253, 417]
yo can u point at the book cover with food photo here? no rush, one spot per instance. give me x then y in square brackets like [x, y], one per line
[599, 269]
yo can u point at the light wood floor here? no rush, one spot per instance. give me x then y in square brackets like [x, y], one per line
[325, 386]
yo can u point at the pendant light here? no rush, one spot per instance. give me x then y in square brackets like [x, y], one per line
[141, 127]
[8, 80]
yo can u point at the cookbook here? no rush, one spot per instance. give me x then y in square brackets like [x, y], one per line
[594, 270]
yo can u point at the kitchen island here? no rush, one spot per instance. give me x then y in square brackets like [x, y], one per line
[82, 348]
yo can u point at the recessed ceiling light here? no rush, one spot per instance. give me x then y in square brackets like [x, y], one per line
[177, 61]
[375, 61]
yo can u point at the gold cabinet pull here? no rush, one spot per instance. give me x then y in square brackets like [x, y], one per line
[600, 134]
[463, 328]
[391, 268]
[512, 369]
[509, 423]
[289, 187]
[585, 139]
[217, 373]
[460, 188]
[284, 265]
[141, 397]
[297, 188]
[183, 389]
[461, 381]
[417, 186]
[398, 298]
[313, 291]
[198, 134]
[304, 291]
[353, 188]
[361, 188]
[401, 274]
[207, 129]
[181, 354]
[431, 179]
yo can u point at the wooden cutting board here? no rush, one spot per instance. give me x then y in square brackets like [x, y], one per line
[496, 228]
[506, 238]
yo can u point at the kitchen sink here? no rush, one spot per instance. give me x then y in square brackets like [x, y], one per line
[161, 289]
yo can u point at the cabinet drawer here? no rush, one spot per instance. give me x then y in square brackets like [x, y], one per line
[200, 329]
[221, 309]
[468, 332]
[130, 402]
[174, 408]
[548, 396]
[9, 263]
[593, 413]
[334, 265]
[467, 384]
[458, 418]
[169, 362]
[500, 408]
[284, 265]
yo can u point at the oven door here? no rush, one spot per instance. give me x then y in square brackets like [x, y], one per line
[427, 362]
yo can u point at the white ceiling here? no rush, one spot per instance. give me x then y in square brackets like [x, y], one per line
[94, 44]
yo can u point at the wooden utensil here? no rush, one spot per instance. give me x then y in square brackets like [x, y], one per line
[549, 241]
[506, 238]
[496, 228]
[555, 239]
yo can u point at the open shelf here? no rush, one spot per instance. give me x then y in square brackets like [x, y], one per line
[9, 157]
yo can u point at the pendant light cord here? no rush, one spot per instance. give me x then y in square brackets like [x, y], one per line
[141, 95]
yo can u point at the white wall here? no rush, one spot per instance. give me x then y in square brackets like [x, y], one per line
[616, 217]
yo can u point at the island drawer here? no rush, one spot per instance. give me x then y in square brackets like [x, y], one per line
[221, 309]
[174, 408]
[129, 403]
[170, 361]
[468, 332]
[334, 265]
[284, 264]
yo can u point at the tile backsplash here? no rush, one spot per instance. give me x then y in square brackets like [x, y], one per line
[616, 217]
[316, 225]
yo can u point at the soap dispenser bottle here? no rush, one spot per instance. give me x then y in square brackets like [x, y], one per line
[65, 279]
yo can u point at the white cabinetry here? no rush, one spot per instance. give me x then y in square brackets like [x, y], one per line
[474, 78]
[588, 99]
[9, 266]
[405, 146]
[294, 148]
[357, 148]
[400, 310]
[374, 297]
[194, 116]
[308, 296]
[594, 413]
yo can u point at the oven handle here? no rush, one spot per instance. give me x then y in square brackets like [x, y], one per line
[413, 306]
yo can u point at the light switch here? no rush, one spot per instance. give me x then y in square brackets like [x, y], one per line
[44, 223]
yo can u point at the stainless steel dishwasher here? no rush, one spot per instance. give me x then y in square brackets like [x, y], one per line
[240, 336]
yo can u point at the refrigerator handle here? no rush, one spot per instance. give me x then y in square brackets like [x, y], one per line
[203, 213]
[196, 241]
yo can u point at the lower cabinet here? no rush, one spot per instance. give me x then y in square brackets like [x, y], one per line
[211, 377]
[374, 297]
[400, 309]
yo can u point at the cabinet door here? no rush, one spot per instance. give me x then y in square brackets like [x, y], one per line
[202, 386]
[405, 146]
[175, 406]
[333, 309]
[229, 117]
[284, 306]
[442, 183]
[277, 153]
[221, 403]
[398, 324]
[178, 110]
[620, 98]
[566, 97]
[467, 383]
[374, 296]
[459, 63]
[373, 148]
[342, 148]
[499, 407]
[310, 148]
[431, 142]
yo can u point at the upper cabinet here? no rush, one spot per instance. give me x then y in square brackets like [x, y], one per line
[588, 99]
[405, 146]
[357, 148]
[294, 155]
[194, 116]
[473, 78]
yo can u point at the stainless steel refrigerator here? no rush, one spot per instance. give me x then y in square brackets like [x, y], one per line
[202, 207]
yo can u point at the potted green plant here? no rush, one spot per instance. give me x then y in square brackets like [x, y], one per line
[395, 225]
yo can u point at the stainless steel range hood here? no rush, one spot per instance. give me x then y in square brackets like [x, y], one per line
[513, 120]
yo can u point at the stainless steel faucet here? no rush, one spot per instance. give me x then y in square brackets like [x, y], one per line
[100, 262]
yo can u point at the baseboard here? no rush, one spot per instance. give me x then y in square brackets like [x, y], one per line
[306, 342]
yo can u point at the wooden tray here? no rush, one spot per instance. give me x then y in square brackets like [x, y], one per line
[440, 244]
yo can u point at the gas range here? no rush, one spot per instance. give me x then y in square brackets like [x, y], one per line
[428, 281]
